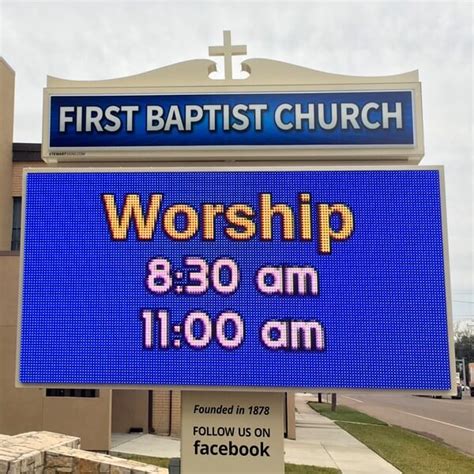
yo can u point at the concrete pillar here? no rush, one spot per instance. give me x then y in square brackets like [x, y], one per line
[7, 93]
[176, 414]
[290, 415]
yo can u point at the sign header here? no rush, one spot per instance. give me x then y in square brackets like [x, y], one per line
[88, 126]
[211, 120]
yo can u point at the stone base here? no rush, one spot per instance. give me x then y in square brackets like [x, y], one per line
[42, 452]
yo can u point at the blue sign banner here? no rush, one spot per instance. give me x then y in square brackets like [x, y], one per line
[316, 119]
[284, 279]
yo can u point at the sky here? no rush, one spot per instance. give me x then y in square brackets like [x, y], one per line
[100, 40]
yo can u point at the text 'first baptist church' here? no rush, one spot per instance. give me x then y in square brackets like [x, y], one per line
[239, 117]
[322, 118]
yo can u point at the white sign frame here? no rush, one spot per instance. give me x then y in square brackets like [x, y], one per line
[403, 154]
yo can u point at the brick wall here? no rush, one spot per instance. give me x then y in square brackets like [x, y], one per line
[166, 403]
[17, 175]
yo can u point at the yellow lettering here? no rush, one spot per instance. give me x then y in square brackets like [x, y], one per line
[326, 232]
[119, 225]
[335, 222]
[240, 215]
[268, 211]
[305, 217]
[169, 222]
[209, 213]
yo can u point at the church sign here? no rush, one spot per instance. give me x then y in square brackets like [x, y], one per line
[254, 234]
[293, 263]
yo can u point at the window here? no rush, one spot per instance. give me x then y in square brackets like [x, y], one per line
[16, 228]
[72, 392]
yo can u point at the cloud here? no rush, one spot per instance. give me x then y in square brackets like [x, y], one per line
[99, 40]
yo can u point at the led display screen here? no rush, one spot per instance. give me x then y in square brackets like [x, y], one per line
[291, 278]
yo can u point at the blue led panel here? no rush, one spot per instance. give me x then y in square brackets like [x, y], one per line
[329, 279]
[329, 119]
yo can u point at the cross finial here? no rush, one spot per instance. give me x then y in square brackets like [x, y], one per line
[227, 50]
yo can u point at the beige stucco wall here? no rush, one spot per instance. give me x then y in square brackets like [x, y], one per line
[129, 409]
[7, 90]
[28, 409]
[86, 418]
[20, 410]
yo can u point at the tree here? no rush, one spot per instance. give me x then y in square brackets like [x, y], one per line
[464, 344]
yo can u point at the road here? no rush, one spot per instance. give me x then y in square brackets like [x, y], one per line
[451, 421]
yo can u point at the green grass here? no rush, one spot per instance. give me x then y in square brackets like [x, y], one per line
[406, 450]
[289, 468]
[303, 469]
[344, 414]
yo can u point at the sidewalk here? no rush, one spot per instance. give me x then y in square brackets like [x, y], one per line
[319, 442]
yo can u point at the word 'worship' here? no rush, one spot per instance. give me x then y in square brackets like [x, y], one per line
[238, 221]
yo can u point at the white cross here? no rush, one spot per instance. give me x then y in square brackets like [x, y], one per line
[227, 50]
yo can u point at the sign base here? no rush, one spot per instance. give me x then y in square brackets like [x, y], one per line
[232, 432]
